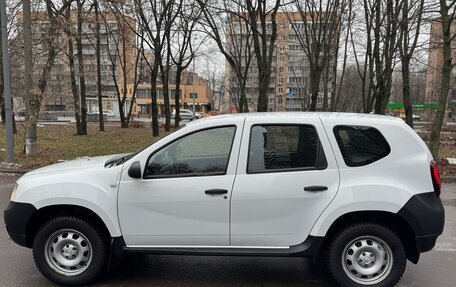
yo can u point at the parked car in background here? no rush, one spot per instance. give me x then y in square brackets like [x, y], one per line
[361, 191]
[186, 115]
[109, 113]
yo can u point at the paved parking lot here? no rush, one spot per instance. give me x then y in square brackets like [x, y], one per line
[436, 268]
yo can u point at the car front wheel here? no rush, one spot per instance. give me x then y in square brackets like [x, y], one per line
[366, 254]
[69, 251]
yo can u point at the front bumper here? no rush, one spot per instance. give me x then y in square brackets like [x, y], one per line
[425, 214]
[17, 215]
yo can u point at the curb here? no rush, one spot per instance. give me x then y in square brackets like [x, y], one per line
[449, 179]
[16, 171]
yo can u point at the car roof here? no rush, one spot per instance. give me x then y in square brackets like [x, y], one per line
[358, 117]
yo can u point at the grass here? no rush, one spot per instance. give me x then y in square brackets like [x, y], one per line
[59, 142]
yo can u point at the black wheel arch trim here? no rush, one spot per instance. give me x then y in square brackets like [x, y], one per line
[425, 214]
[17, 216]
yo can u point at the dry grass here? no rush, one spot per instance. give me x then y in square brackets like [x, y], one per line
[59, 142]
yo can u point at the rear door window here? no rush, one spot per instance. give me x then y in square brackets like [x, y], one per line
[284, 148]
[361, 145]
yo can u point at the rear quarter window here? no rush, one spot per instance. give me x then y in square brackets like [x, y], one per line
[361, 145]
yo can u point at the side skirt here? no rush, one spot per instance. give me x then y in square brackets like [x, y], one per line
[309, 248]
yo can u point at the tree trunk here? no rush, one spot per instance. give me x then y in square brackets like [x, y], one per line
[243, 104]
[176, 98]
[30, 130]
[314, 89]
[406, 92]
[2, 98]
[123, 122]
[434, 144]
[153, 95]
[165, 77]
[82, 85]
[264, 78]
[98, 56]
[74, 88]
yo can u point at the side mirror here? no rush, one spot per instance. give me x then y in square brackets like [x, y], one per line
[135, 170]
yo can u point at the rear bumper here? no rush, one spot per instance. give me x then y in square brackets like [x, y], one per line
[425, 214]
[17, 216]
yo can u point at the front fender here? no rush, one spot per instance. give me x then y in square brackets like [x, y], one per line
[95, 190]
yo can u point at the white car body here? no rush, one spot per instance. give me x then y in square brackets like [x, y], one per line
[261, 212]
[185, 114]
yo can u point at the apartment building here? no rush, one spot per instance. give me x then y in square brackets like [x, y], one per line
[197, 96]
[435, 63]
[115, 33]
[289, 88]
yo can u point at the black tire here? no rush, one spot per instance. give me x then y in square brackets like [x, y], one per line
[66, 233]
[363, 242]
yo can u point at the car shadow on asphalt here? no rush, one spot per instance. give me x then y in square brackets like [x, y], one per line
[173, 270]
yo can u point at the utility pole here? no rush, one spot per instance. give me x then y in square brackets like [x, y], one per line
[7, 86]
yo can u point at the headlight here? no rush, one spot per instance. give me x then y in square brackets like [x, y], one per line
[14, 192]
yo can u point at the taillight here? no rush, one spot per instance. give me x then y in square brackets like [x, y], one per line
[436, 178]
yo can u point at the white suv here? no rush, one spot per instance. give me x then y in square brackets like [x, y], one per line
[359, 191]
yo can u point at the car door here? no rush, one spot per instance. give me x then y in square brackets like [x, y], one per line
[287, 176]
[184, 195]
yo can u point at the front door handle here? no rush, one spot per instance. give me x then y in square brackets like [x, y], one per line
[315, 188]
[216, 191]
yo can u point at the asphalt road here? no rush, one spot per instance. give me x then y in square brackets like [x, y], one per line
[436, 268]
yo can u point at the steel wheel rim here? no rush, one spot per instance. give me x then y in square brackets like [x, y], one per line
[68, 252]
[367, 260]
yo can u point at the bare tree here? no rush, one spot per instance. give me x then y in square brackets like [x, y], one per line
[165, 68]
[228, 26]
[412, 12]
[98, 59]
[79, 49]
[34, 91]
[350, 93]
[335, 96]
[70, 33]
[31, 142]
[447, 14]
[183, 48]
[385, 27]
[318, 36]
[363, 59]
[121, 36]
[155, 18]
[261, 16]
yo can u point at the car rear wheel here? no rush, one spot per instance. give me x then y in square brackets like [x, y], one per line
[366, 254]
[69, 251]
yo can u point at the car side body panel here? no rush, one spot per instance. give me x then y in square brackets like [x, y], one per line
[384, 185]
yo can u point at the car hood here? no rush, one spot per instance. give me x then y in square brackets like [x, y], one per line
[77, 164]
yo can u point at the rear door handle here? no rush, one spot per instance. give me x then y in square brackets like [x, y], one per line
[216, 191]
[315, 188]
